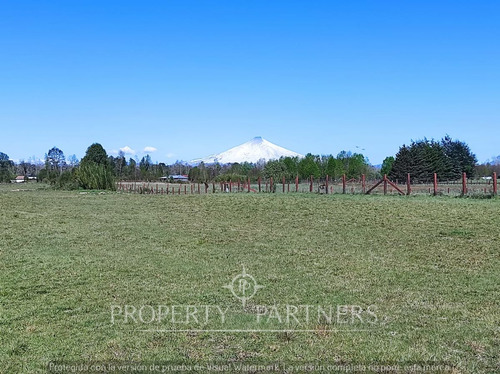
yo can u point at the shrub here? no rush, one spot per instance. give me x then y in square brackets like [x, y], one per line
[67, 180]
[92, 176]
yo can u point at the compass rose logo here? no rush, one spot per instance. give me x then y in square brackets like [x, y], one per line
[243, 287]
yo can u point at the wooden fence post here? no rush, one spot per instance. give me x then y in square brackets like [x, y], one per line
[385, 184]
[259, 181]
[230, 185]
[239, 184]
[435, 184]
[297, 183]
[271, 185]
[363, 183]
[326, 184]
[464, 184]
[408, 185]
[311, 184]
[495, 183]
[185, 190]
[248, 184]
[343, 183]
[283, 183]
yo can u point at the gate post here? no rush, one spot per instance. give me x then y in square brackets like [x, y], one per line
[495, 183]
[464, 184]
[435, 184]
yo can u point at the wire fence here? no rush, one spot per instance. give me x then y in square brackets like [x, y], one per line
[464, 187]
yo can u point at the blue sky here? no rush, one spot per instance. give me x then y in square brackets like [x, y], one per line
[191, 78]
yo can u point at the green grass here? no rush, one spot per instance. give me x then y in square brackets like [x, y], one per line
[429, 265]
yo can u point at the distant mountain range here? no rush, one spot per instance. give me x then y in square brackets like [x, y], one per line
[251, 151]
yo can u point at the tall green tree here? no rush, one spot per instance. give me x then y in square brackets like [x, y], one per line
[95, 171]
[387, 165]
[145, 166]
[120, 164]
[448, 158]
[460, 157]
[332, 169]
[56, 159]
[198, 173]
[96, 154]
[277, 169]
[291, 166]
[6, 168]
[307, 166]
[132, 169]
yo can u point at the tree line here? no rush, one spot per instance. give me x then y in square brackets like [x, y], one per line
[96, 170]
[448, 158]
[351, 164]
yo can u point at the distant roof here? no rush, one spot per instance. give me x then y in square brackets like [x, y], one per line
[19, 177]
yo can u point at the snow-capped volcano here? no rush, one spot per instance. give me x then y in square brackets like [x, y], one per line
[251, 151]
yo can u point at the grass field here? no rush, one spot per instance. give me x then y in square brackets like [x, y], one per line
[429, 266]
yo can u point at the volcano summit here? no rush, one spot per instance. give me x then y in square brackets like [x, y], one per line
[251, 151]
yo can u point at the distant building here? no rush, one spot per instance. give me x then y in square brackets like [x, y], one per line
[176, 178]
[22, 179]
[19, 179]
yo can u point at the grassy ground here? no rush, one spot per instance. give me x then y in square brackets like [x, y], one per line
[430, 266]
